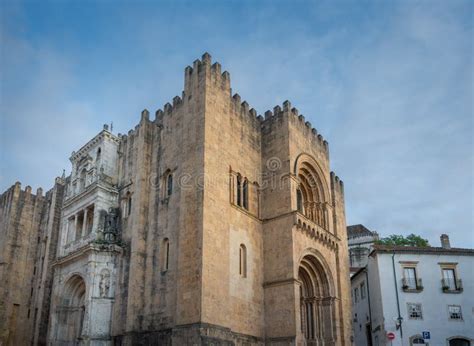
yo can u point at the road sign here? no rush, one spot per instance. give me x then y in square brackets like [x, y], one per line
[391, 336]
[426, 335]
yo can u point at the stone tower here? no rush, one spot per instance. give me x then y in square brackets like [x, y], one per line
[207, 224]
[29, 229]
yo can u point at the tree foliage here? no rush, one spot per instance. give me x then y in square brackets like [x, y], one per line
[400, 240]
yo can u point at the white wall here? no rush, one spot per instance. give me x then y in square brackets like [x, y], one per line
[434, 301]
[360, 309]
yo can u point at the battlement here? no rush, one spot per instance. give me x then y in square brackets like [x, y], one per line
[204, 69]
[336, 183]
[204, 73]
[242, 108]
[16, 190]
[308, 130]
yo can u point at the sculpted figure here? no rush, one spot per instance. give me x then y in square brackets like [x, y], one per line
[104, 284]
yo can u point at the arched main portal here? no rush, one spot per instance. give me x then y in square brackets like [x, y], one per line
[71, 311]
[316, 302]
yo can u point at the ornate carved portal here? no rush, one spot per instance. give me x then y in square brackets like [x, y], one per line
[316, 303]
[70, 314]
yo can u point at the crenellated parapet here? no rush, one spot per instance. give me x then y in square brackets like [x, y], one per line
[169, 108]
[243, 109]
[15, 191]
[205, 74]
[337, 184]
[204, 70]
[305, 126]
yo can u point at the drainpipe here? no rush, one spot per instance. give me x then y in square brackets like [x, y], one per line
[368, 297]
[400, 319]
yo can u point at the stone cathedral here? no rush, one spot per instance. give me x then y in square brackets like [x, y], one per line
[207, 225]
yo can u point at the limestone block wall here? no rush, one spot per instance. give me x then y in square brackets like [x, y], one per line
[29, 227]
[232, 143]
[43, 270]
[134, 177]
[151, 297]
[21, 216]
[342, 257]
[276, 179]
[279, 281]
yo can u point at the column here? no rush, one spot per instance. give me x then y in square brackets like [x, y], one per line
[320, 320]
[313, 216]
[303, 317]
[328, 311]
[306, 209]
[318, 214]
[84, 223]
[75, 226]
[325, 216]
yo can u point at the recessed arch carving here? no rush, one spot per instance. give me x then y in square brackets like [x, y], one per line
[71, 310]
[317, 300]
[312, 193]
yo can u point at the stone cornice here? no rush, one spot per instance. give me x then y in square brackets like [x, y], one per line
[315, 231]
[85, 250]
[94, 141]
[90, 189]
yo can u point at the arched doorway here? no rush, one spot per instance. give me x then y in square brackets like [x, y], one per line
[417, 340]
[316, 302]
[71, 312]
[459, 342]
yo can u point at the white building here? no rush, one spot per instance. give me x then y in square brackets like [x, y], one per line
[423, 295]
[83, 289]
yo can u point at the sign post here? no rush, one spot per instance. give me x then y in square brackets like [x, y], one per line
[426, 335]
[391, 336]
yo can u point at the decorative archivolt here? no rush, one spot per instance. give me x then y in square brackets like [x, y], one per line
[313, 194]
[317, 301]
[74, 290]
[315, 281]
[313, 263]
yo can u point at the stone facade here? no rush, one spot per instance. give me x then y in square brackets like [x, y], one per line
[206, 225]
[29, 228]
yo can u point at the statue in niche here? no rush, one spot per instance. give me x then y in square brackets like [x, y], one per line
[111, 226]
[104, 284]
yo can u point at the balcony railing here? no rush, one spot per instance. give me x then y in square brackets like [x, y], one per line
[451, 285]
[412, 285]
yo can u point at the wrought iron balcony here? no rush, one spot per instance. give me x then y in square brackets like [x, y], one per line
[412, 285]
[451, 285]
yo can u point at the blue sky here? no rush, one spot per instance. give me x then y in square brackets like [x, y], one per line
[389, 85]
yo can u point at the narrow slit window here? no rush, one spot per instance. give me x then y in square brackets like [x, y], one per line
[245, 194]
[299, 201]
[243, 261]
[239, 186]
[166, 254]
[169, 184]
[97, 158]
